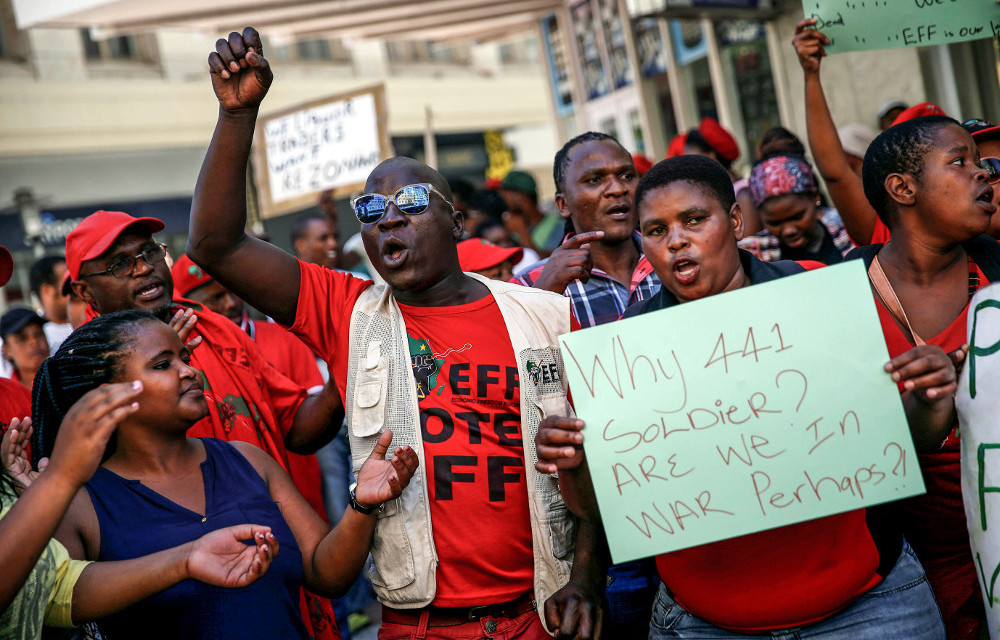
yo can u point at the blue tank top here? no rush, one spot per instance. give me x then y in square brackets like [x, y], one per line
[136, 521]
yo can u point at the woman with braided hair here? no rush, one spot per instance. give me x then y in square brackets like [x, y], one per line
[156, 488]
[39, 584]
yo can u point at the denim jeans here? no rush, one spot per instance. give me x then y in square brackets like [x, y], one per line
[630, 593]
[901, 607]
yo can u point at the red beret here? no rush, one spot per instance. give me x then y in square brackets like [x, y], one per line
[676, 147]
[721, 140]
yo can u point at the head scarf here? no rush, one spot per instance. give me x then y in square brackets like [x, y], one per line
[780, 175]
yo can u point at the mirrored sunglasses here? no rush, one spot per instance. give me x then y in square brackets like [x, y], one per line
[411, 200]
[992, 166]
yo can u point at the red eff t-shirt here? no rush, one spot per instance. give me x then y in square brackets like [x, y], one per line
[467, 389]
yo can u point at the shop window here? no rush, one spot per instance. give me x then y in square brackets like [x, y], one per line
[610, 127]
[743, 45]
[316, 49]
[585, 28]
[115, 48]
[558, 65]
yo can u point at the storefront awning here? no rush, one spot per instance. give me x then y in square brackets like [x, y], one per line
[409, 19]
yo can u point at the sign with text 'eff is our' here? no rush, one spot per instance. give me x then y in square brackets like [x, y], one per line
[742, 412]
[856, 25]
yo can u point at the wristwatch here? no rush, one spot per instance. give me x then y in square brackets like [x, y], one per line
[357, 506]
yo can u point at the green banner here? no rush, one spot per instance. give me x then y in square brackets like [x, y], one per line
[858, 25]
[741, 412]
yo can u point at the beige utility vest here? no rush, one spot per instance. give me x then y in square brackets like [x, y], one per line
[382, 395]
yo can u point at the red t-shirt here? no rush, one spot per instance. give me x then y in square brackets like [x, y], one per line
[786, 577]
[934, 523]
[467, 388]
[292, 357]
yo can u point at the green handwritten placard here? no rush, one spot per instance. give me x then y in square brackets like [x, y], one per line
[741, 412]
[857, 25]
[978, 404]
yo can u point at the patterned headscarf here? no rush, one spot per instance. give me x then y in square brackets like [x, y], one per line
[780, 175]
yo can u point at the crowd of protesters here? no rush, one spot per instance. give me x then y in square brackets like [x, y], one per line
[177, 466]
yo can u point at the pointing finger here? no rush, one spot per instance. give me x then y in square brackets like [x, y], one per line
[580, 239]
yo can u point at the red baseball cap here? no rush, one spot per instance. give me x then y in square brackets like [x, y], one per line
[97, 232]
[478, 254]
[981, 129]
[721, 140]
[919, 110]
[187, 276]
[6, 265]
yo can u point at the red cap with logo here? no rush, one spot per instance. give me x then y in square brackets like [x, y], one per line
[6, 265]
[918, 111]
[187, 276]
[721, 140]
[478, 254]
[97, 232]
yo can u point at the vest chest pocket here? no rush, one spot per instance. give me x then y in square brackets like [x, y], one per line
[371, 389]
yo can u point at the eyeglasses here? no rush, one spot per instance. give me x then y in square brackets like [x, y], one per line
[411, 200]
[124, 266]
[992, 166]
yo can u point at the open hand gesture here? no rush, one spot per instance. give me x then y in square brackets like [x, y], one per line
[380, 480]
[571, 261]
[221, 558]
[241, 75]
[89, 423]
[14, 454]
[809, 44]
[183, 323]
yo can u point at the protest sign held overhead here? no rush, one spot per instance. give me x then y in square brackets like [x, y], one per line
[333, 143]
[742, 412]
[858, 25]
[978, 404]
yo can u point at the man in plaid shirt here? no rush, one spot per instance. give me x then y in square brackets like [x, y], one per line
[600, 267]
[602, 270]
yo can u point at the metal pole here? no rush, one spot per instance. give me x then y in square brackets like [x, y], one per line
[430, 144]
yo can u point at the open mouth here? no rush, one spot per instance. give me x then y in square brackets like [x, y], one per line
[985, 200]
[394, 252]
[685, 271]
[619, 212]
[151, 291]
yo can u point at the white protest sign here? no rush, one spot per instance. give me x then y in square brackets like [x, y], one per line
[332, 144]
[978, 402]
